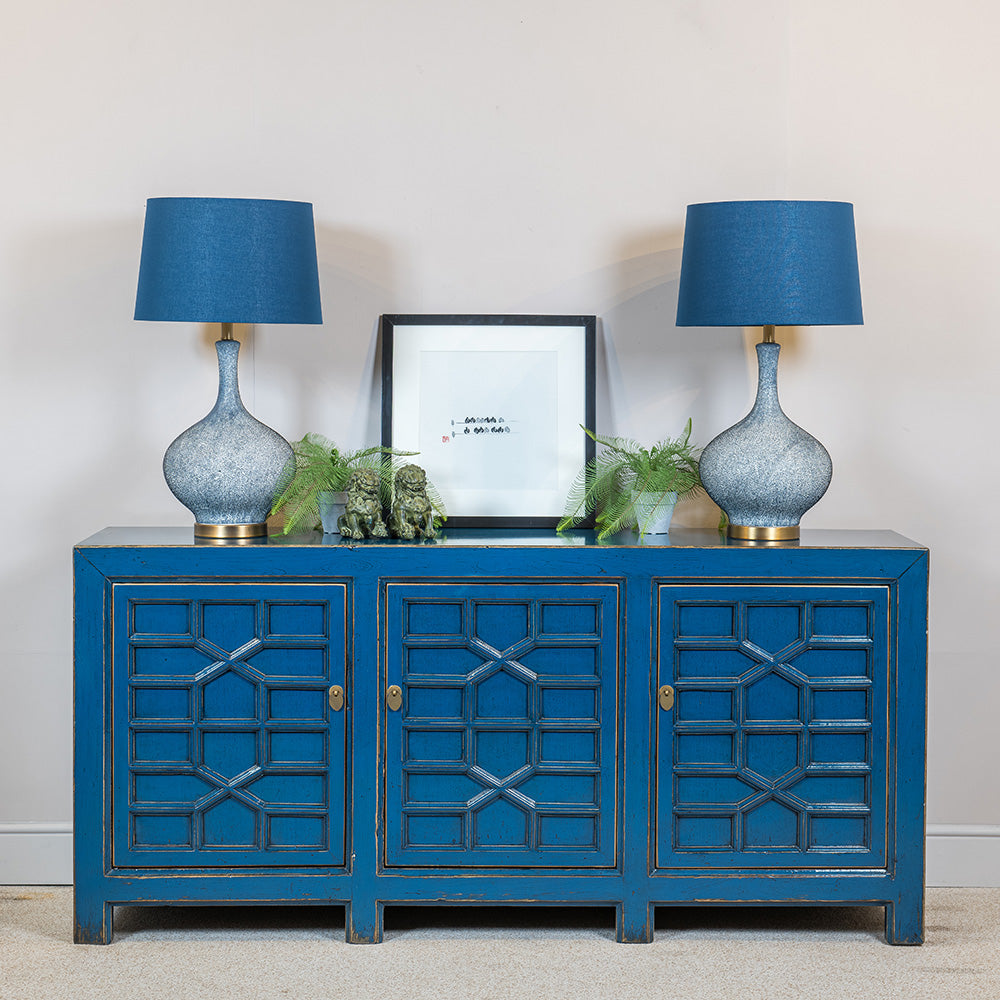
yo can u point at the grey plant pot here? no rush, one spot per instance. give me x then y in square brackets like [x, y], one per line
[654, 512]
[331, 506]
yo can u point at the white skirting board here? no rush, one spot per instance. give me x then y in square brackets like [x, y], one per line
[42, 854]
[36, 853]
[963, 855]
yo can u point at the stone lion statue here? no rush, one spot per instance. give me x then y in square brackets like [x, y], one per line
[363, 517]
[412, 513]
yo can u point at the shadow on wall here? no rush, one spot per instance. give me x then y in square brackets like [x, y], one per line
[659, 374]
[97, 396]
[326, 379]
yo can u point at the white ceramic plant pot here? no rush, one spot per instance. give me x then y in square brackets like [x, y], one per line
[654, 511]
[331, 506]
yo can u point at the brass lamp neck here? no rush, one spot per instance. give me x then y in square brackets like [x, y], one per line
[768, 335]
[227, 331]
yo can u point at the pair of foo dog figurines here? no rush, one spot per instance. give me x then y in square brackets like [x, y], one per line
[412, 514]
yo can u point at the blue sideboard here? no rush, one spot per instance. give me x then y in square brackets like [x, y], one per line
[500, 717]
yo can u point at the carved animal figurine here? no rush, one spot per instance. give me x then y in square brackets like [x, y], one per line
[412, 514]
[363, 517]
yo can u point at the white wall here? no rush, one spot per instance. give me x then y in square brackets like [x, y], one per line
[514, 156]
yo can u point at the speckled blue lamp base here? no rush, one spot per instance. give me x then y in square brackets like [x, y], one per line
[765, 472]
[226, 468]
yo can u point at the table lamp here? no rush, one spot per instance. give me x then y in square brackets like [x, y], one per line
[768, 264]
[228, 260]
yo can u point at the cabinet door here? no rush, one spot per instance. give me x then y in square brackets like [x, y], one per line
[226, 750]
[774, 754]
[503, 751]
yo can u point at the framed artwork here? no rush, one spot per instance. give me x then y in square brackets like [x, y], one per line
[494, 405]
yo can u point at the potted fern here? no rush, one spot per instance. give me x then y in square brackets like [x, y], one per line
[629, 486]
[316, 488]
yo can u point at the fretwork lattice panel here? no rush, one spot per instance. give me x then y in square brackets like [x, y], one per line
[504, 752]
[223, 727]
[776, 745]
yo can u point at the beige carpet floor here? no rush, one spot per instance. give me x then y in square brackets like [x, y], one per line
[226, 952]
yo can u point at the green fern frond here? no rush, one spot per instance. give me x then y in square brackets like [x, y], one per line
[590, 490]
[624, 469]
[320, 465]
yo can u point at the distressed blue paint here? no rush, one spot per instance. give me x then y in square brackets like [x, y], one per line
[221, 732]
[504, 752]
[529, 762]
[777, 750]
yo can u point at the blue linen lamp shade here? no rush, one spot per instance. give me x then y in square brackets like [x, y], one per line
[768, 263]
[228, 260]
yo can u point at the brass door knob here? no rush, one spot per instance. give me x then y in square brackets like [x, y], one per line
[665, 697]
[394, 698]
[336, 697]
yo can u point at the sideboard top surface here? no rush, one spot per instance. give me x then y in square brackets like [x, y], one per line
[679, 538]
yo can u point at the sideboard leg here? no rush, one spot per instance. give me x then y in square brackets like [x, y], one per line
[93, 921]
[364, 922]
[634, 923]
[904, 921]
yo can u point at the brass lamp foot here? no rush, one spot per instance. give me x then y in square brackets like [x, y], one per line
[227, 531]
[761, 533]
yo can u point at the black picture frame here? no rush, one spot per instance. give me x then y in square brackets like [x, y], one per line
[535, 389]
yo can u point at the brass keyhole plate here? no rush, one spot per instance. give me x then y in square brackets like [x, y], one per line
[394, 698]
[665, 697]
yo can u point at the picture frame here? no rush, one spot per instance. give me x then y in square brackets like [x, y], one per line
[495, 406]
